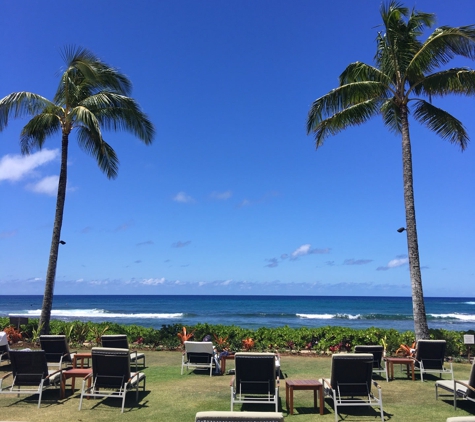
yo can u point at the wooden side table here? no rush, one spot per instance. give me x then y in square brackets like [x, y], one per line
[76, 372]
[222, 362]
[81, 357]
[409, 362]
[73, 373]
[291, 385]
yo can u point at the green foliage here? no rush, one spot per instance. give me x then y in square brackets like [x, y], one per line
[322, 340]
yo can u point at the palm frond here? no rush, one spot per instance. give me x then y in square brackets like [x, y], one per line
[93, 143]
[442, 46]
[451, 81]
[442, 123]
[21, 104]
[361, 72]
[35, 132]
[117, 112]
[341, 98]
[391, 115]
[350, 116]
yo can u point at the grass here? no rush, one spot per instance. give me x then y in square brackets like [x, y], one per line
[171, 397]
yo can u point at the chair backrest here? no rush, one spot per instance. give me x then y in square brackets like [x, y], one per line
[4, 348]
[199, 351]
[116, 341]
[29, 367]
[351, 373]
[255, 373]
[471, 382]
[55, 347]
[3, 339]
[431, 353]
[375, 350]
[110, 367]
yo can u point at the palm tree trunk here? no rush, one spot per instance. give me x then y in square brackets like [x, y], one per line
[53, 255]
[420, 321]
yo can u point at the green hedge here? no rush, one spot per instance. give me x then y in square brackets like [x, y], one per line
[323, 340]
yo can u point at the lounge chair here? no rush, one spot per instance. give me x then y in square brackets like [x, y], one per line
[223, 416]
[255, 379]
[379, 366]
[199, 355]
[29, 374]
[4, 348]
[57, 352]
[119, 341]
[350, 383]
[111, 371]
[429, 358]
[458, 389]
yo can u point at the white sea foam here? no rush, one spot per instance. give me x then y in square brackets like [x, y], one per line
[316, 316]
[99, 313]
[462, 317]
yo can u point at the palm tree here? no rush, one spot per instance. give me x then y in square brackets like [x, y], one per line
[405, 73]
[91, 96]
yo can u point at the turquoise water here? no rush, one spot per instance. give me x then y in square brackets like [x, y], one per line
[251, 311]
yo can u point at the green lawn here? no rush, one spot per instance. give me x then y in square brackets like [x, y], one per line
[172, 397]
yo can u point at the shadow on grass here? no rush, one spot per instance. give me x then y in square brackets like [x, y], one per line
[114, 402]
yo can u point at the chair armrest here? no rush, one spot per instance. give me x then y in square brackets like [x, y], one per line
[464, 384]
[232, 382]
[53, 373]
[6, 375]
[88, 376]
[376, 384]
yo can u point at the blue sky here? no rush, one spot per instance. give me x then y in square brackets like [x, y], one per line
[232, 197]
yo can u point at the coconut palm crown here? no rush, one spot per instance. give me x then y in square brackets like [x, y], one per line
[91, 97]
[408, 74]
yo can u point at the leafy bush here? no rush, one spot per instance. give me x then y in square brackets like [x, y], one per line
[322, 340]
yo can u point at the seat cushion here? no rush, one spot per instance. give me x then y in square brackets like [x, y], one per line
[226, 416]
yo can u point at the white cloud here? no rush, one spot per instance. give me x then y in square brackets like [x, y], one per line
[398, 262]
[394, 263]
[47, 185]
[301, 250]
[153, 281]
[221, 195]
[17, 167]
[183, 198]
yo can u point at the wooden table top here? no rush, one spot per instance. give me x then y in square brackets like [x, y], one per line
[302, 383]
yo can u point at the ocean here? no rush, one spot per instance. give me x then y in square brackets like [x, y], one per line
[456, 314]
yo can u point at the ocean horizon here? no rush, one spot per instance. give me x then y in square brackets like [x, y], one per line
[357, 312]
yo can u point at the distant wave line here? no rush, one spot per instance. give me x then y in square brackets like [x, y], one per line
[99, 313]
[453, 316]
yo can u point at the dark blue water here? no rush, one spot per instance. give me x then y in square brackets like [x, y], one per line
[251, 311]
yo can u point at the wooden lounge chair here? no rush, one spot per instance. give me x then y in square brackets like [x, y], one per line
[57, 352]
[199, 355]
[4, 348]
[29, 374]
[350, 383]
[464, 390]
[379, 366]
[120, 341]
[223, 416]
[255, 379]
[429, 358]
[111, 375]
